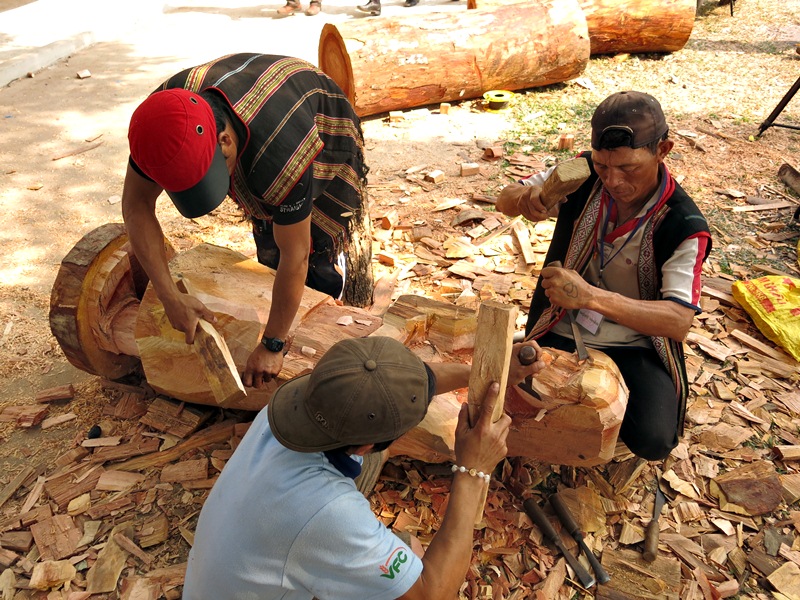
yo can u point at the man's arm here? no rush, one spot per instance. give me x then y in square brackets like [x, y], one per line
[447, 558]
[455, 376]
[516, 199]
[567, 289]
[294, 242]
[139, 197]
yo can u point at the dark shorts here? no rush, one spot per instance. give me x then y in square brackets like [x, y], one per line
[650, 426]
[322, 273]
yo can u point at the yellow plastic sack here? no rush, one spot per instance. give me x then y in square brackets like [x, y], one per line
[773, 302]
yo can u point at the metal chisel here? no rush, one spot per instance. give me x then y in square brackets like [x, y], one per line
[571, 525]
[537, 516]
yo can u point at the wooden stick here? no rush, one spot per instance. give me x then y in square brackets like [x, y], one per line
[493, 346]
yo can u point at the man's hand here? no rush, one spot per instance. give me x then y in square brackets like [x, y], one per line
[565, 288]
[184, 313]
[517, 199]
[262, 367]
[484, 445]
[517, 371]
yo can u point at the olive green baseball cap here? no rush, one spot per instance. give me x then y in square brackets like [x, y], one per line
[362, 391]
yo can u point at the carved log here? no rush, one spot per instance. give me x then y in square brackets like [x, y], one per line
[401, 62]
[95, 293]
[574, 420]
[239, 292]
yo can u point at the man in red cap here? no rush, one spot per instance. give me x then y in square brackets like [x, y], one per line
[632, 244]
[281, 138]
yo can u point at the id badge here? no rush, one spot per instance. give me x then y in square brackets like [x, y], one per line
[590, 320]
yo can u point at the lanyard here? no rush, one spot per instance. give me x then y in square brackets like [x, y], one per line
[600, 244]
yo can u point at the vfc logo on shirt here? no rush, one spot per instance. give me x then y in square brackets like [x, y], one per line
[392, 565]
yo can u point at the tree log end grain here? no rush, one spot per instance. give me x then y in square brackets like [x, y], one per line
[81, 283]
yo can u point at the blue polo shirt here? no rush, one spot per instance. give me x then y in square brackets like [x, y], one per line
[280, 524]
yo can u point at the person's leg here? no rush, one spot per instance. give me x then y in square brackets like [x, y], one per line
[266, 249]
[326, 273]
[650, 425]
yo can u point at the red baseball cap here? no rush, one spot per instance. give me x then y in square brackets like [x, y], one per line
[173, 140]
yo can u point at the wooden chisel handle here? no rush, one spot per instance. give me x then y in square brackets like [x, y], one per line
[651, 535]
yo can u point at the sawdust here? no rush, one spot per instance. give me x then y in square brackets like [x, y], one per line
[728, 78]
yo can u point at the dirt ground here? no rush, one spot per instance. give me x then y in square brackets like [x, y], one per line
[54, 189]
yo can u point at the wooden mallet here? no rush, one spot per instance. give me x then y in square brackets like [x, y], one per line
[566, 178]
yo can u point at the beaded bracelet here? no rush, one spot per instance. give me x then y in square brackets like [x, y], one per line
[474, 473]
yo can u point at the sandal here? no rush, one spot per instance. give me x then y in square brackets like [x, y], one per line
[313, 8]
[292, 6]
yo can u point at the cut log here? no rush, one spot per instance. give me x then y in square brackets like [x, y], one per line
[239, 291]
[630, 26]
[402, 62]
[98, 281]
[633, 26]
[575, 420]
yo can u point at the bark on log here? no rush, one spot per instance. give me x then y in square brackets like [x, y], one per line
[630, 26]
[402, 62]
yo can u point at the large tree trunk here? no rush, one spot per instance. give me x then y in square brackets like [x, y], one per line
[635, 26]
[401, 62]
[632, 26]
[573, 419]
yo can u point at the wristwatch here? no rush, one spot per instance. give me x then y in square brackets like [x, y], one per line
[273, 344]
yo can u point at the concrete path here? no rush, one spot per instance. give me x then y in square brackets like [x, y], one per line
[36, 35]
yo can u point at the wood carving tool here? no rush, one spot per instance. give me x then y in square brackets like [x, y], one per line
[571, 525]
[653, 531]
[537, 516]
[565, 179]
[527, 356]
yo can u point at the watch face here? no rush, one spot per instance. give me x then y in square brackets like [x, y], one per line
[273, 344]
